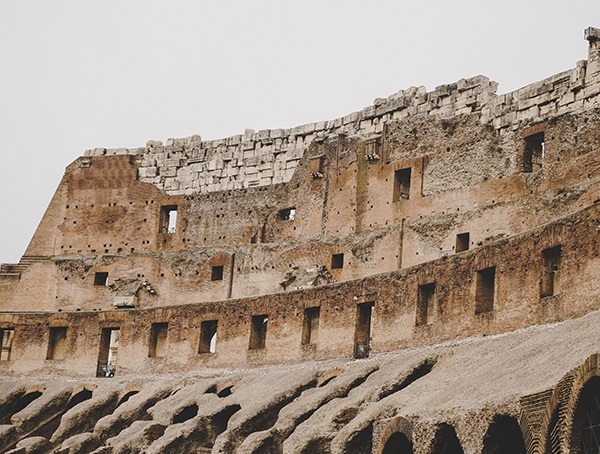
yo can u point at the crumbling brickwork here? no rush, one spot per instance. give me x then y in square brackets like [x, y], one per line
[418, 276]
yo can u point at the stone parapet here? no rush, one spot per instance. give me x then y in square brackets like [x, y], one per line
[190, 165]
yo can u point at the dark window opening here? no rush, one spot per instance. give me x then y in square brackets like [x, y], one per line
[107, 357]
[550, 271]
[216, 273]
[402, 184]
[533, 158]
[287, 214]
[100, 278]
[462, 242]
[258, 332]
[208, 336]
[362, 335]
[317, 165]
[310, 327]
[503, 437]
[425, 303]
[484, 291]
[57, 343]
[168, 219]
[337, 261]
[158, 340]
[6, 339]
[398, 443]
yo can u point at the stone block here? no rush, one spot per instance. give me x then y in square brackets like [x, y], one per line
[248, 145]
[171, 184]
[251, 161]
[147, 172]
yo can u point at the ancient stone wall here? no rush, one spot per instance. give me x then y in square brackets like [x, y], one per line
[542, 276]
[190, 165]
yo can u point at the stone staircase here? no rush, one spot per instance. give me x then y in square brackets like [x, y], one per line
[14, 270]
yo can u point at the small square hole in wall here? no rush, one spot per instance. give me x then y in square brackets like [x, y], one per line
[462, 242]
[337, 261]
[216, 273]
[100, 278]
[287, 214]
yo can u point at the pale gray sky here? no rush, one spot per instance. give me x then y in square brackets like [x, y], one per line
[82, 74]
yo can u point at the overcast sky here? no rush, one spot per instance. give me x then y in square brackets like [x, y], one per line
[83, 74]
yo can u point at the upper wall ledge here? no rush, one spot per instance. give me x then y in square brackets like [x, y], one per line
[574, 90]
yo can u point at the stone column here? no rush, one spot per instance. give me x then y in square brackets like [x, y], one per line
[592, 35]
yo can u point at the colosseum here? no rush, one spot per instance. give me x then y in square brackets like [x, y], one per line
[415, 277]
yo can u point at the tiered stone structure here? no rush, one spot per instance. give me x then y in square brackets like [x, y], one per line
[418, 276]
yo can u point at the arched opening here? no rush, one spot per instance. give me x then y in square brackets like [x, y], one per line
[398, 443]
[19, 404]
[227, 391]
[126, 397]
[186, 414]
[362, 442]
[503, 437]
[446, 441]
[585, 434]
[47, 429]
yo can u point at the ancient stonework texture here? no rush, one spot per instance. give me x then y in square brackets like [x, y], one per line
[419, 276]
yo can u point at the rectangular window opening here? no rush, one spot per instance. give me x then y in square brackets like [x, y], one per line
[6, 337]
[100, 278]
[484, 291]
[158, 340]
[168, 219]
[216, 273]
[462, 242]
[208, 336]
[316, 166]
[425, 304]
[310, 327]
[362, 334]
[402, 184]
[57, 343]
[258, 332]
[533, 158]
[550, 272]
[107, 357]
[337, 261]
[287, 214]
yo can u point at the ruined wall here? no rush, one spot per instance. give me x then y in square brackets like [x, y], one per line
[399, 318]
[408, 182]
[420, 273]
